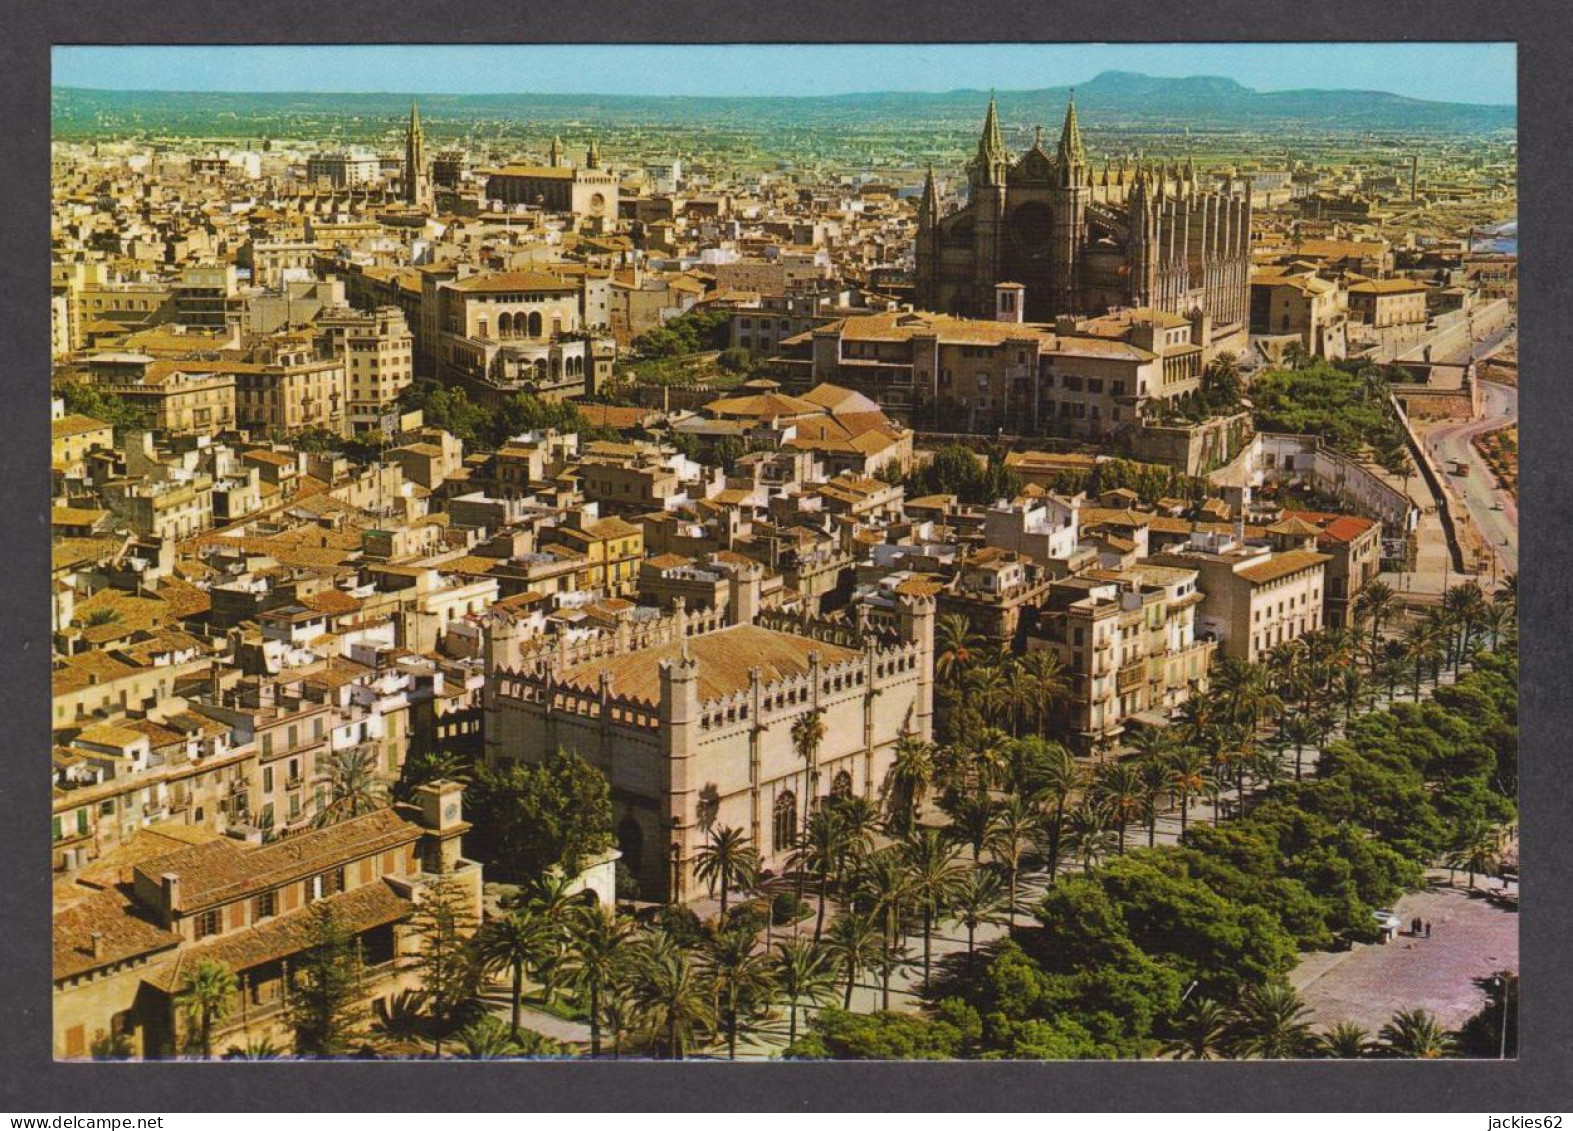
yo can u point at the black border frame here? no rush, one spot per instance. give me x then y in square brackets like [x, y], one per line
[1541, 1079]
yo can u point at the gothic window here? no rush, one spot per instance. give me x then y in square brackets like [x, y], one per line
[535, 325]
[783, 825]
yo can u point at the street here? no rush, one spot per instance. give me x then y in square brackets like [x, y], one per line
[1479, 489]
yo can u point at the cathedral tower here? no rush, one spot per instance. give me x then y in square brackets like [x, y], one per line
[417, 185]
[1070, 213]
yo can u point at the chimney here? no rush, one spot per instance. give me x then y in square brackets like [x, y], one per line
[171, 888]
[96, 942]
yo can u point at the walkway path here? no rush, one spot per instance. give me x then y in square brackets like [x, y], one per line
[1471, 939]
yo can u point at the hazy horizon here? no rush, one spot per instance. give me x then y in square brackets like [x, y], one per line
[1476, 73]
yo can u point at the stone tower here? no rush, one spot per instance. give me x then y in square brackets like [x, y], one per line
[986, 176]
[1070, 214]
[417, 185]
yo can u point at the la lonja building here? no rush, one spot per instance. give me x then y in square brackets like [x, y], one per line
[691, 717]
[1080, 241]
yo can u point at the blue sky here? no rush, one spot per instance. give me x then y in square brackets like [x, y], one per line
[1450, 72]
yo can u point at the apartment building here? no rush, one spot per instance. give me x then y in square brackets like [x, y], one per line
[1127, 641]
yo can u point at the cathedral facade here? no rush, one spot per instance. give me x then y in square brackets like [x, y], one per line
[1082, 241]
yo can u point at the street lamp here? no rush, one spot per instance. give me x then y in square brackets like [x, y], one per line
[1502, 982]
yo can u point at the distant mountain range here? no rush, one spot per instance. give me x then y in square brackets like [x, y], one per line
[1113, 100]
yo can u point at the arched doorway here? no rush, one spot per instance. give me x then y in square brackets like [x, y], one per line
[783, 822]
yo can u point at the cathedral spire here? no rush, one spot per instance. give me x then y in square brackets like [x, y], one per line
[554, 156]
[592, 156]
[928, 207]
[414, 159]
[1072, 154]
[988, 167]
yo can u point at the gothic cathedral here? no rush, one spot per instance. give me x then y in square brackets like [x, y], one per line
[1081, 242]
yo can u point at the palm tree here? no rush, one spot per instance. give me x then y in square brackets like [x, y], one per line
[1055, 780]
[208, 997]
[1087, 833]
[256, 1048]
[430, 766]
[908, 780]
[1299, 731]
[673, 994]
[728, 859]
[933, 874]
[802, 974]
[1269, 1024]
[513, 942]
[1376, 602]
[1416, 1034]
[971, 816]
[1050, 680]
[1014, 826]
[822, 851]
[989, 691]
[1190, 768]
[885, 887]
[1422, 644]
[955, 647]
[599, 944]
[1118, 785]
[1496, 619]
[854, 942]
[977, 900]
[1476, 849]
[1201, 1034]
[808, 731]
[1156, 777]
[618, 1014]
[1344, 1041]
[742, 977]
[353, 785]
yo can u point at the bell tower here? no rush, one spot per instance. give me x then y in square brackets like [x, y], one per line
[1072, 193]
[986, 177]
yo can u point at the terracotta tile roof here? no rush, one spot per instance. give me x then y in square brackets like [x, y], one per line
[224, 870]
[125, 931]
[370, 905]
[1338, 528]
[74, 424]
[505, 281]
[333, 602]
[182, 598]
[1282, 565]
[723, 657]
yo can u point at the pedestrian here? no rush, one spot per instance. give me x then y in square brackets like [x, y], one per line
[1428, 928]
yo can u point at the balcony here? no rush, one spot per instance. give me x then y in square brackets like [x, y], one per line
[1131, 676]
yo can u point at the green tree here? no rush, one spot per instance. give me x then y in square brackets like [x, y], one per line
[854, 942]
[354, 786]
[514, 942]
[1344, 1041]
[1270, 1024]
[1416, 1034]
[1201, 1033]
[208, 996]
[323, 988]
[933, 876]
[727, 859]
[599, 951]
[803, 976]
[673, 995]
[443, 923]
[530, 818]
[977, 901]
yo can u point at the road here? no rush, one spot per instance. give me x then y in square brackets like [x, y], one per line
[1479, 490]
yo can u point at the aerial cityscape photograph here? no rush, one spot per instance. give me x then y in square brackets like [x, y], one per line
[784, 552]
